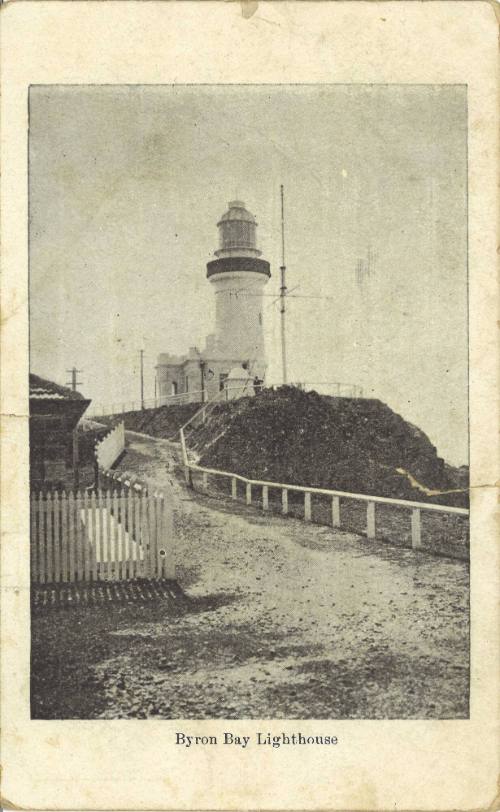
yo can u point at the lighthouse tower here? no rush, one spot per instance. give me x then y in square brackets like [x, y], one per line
[238, 276]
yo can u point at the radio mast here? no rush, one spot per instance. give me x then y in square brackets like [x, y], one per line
[283, 288]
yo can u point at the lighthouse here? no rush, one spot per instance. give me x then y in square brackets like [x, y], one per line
[238, 276]
[235, 351]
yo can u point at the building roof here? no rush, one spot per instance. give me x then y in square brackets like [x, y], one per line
[41, 389]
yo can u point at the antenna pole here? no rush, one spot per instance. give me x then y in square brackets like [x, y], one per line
[142, 379]
[283, 289]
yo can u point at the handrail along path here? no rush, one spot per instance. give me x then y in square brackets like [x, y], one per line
[308, 491]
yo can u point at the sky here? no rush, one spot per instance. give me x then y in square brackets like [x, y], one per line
[127, 184]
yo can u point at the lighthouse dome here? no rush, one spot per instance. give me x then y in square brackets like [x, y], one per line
[237, 211]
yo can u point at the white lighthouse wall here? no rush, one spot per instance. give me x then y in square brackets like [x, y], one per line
[239, 317]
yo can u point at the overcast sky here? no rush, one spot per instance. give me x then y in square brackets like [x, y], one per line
[127, 185]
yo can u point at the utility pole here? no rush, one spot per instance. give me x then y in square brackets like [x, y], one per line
[74, 383]
[203, 365]
[76, 452]
[283, 288]
[142, 378]
[202, 375]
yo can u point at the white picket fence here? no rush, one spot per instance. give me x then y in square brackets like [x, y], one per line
[101, 536]
[111, 446]
[415, 509]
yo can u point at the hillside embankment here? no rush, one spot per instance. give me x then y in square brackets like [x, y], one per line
[347, 444]
[163, 422]
[303, 438]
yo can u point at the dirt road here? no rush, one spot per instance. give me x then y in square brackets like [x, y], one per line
[293, 621]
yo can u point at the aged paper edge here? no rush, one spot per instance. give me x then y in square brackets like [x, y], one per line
[14, 391]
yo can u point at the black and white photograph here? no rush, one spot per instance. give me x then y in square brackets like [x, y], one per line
[249, 403]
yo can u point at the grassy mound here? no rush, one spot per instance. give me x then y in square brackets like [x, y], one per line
[162, 422]
[348, 444]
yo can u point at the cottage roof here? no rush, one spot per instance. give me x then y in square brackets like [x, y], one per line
[41, 389]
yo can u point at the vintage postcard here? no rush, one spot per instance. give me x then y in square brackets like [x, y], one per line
[249, 406]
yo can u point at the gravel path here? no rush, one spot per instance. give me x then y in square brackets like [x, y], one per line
[293, 620]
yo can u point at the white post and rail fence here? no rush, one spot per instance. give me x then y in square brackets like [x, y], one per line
[181, 399]
[121, 407]
[332, 388]
[254, 486]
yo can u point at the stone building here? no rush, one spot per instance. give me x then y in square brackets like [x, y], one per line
[238, 276]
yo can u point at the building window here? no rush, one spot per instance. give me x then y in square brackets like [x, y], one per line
[174, 388]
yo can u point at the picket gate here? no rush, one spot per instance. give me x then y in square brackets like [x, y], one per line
[111, 535]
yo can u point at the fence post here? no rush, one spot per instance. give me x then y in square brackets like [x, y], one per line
[205, 481]
[71, 536]
[284, 501]
[249, 493]
[187, 470]
[42, 523]
[50, 540]
[307, 506]
[57, 539]
[265, 497]
[336, 511]
[168, 537]
[233, 487]
[370, 520]
[64, 537]
[416, 529]
[96, 467]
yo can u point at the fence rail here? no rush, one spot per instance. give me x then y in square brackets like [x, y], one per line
[111, 535]
[415, 508]
[333, 388]
[339, 389]
[200, 416]
[120, 407]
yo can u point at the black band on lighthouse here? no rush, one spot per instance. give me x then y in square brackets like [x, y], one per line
[231, 264]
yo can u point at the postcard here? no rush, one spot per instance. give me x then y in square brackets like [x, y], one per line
[249, 406]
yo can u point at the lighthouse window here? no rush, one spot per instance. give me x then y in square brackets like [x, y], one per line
[238, 234]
